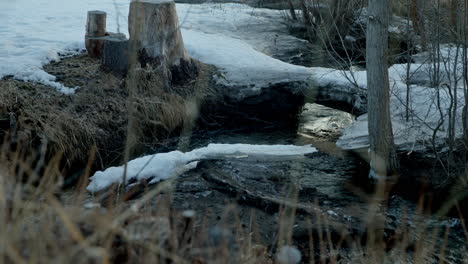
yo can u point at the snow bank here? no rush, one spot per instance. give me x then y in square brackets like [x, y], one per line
[33, 33]
[229, 36]
[240, 63]
[417, 132]
[341, 86]
[239, 39]
[162, 166]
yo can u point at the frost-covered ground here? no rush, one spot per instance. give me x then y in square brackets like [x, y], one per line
[236, 38]
[162, 166]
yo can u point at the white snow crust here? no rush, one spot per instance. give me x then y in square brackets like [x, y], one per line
[416, 133]
[162, 166]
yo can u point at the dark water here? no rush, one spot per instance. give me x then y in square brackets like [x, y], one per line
[349, 191]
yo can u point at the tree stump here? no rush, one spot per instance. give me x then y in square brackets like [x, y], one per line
[95, 31]
[115, 54]
[156, 40]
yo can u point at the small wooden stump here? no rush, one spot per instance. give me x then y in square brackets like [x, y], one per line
[96, 24]
[115, 54]
[94, 46]
[95, 31]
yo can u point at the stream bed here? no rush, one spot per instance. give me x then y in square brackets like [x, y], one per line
[331, 185]
[326, 193]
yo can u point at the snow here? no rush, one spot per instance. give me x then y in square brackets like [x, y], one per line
[236, 38]
[332, 213]
[342, 86]
[232, 37]
[241, 64]
[162, 166]
[34, 33]
[416, 133]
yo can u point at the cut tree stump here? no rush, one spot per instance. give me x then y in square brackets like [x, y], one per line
[156, 40]
[94, 46]
[95, 31]
[96, 23]
[115, 53]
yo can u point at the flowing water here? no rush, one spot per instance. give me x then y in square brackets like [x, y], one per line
[337, 177]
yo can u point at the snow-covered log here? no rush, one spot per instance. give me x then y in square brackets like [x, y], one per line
[95, 31]
[155, 39]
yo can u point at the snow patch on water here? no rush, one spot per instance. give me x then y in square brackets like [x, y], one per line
[162, 166]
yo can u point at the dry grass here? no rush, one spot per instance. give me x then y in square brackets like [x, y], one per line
[66, 124]
[39, 223]
[157, 109]
[48, 122]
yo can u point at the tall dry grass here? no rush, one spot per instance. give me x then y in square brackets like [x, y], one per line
[42, 223]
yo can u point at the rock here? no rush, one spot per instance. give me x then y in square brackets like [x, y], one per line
[323, 122]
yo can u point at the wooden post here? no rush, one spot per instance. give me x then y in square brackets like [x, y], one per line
[95, 32]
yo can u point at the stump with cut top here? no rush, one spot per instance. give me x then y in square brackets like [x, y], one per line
[156, 40]
[115, 53]
[95, 32]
